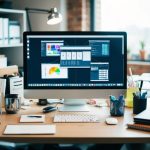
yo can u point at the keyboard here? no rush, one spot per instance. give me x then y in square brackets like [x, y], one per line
[76, 118]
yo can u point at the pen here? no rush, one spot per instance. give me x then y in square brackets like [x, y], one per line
[144, 95]
[140, 88]
[35, 116]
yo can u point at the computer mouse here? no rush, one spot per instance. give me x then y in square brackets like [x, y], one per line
[111, 121]
[49, 109]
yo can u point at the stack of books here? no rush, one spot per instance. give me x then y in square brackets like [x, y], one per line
[9, 31]
[141, 121]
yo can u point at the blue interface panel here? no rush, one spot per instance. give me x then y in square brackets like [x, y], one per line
[75, 57]
[70, 61]
[100, 71]
[99, 48]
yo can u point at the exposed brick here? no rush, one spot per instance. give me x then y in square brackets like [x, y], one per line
[78, 15]
[138, 69]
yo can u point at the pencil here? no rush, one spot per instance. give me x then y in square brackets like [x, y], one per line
[130, 73]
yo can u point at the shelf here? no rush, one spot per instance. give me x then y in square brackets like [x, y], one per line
[11, 11]
[14, 52]
[15, 15]
[11, 45]
[139, 62]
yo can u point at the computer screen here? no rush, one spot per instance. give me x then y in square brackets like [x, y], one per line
[74, 61]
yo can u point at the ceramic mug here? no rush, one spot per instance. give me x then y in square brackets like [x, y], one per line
[12, 103]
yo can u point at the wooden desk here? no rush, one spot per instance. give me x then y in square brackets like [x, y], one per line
[79, 132]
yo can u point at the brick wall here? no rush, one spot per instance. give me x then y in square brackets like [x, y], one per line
[78, 15]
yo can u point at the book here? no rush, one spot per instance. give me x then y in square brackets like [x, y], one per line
[139, 127]
[143, 117]
[32, 118]
[1, 31]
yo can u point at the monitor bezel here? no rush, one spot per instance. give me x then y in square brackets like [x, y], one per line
[25, 34]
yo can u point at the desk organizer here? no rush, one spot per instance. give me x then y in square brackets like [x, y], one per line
[117, 106]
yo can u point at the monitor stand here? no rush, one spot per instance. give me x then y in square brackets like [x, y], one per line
[73, 105]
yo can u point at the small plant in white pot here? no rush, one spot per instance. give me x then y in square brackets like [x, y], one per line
[142, 50]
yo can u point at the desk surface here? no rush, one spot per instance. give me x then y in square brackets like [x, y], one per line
[78, 132]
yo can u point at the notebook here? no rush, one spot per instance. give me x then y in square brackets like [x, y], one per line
[139, 127]
[30, 129]
[32, 118]
[143, 117]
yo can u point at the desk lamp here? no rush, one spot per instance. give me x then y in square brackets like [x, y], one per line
[54, 17]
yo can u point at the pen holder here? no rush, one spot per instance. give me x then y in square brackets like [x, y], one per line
[117, 106]
[139, 104]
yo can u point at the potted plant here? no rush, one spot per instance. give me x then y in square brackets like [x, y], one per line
[142, 50]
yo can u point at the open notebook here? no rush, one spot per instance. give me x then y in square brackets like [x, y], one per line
[30, 129]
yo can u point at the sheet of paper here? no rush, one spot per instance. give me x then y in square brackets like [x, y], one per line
[16, 85]
[30, 129]
[32, 118]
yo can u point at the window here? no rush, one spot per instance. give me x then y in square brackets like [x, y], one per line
[131, 16]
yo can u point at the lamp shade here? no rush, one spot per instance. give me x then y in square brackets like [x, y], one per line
[54, 17]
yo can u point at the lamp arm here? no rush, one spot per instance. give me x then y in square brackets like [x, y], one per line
[37, 10]
[34, 10]
[28, 20]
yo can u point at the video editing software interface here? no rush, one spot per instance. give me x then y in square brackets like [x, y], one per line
[75, 61]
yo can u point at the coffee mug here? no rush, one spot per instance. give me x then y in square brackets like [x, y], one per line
[12, 103]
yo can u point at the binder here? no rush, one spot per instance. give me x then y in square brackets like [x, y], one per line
[5, 30]
[1, 31]
[14, 32]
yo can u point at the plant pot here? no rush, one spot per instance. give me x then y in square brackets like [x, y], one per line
[142, 54]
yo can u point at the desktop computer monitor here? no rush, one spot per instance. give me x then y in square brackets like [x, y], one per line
[74, 65]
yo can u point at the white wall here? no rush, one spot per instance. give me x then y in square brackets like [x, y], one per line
[38, 21]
